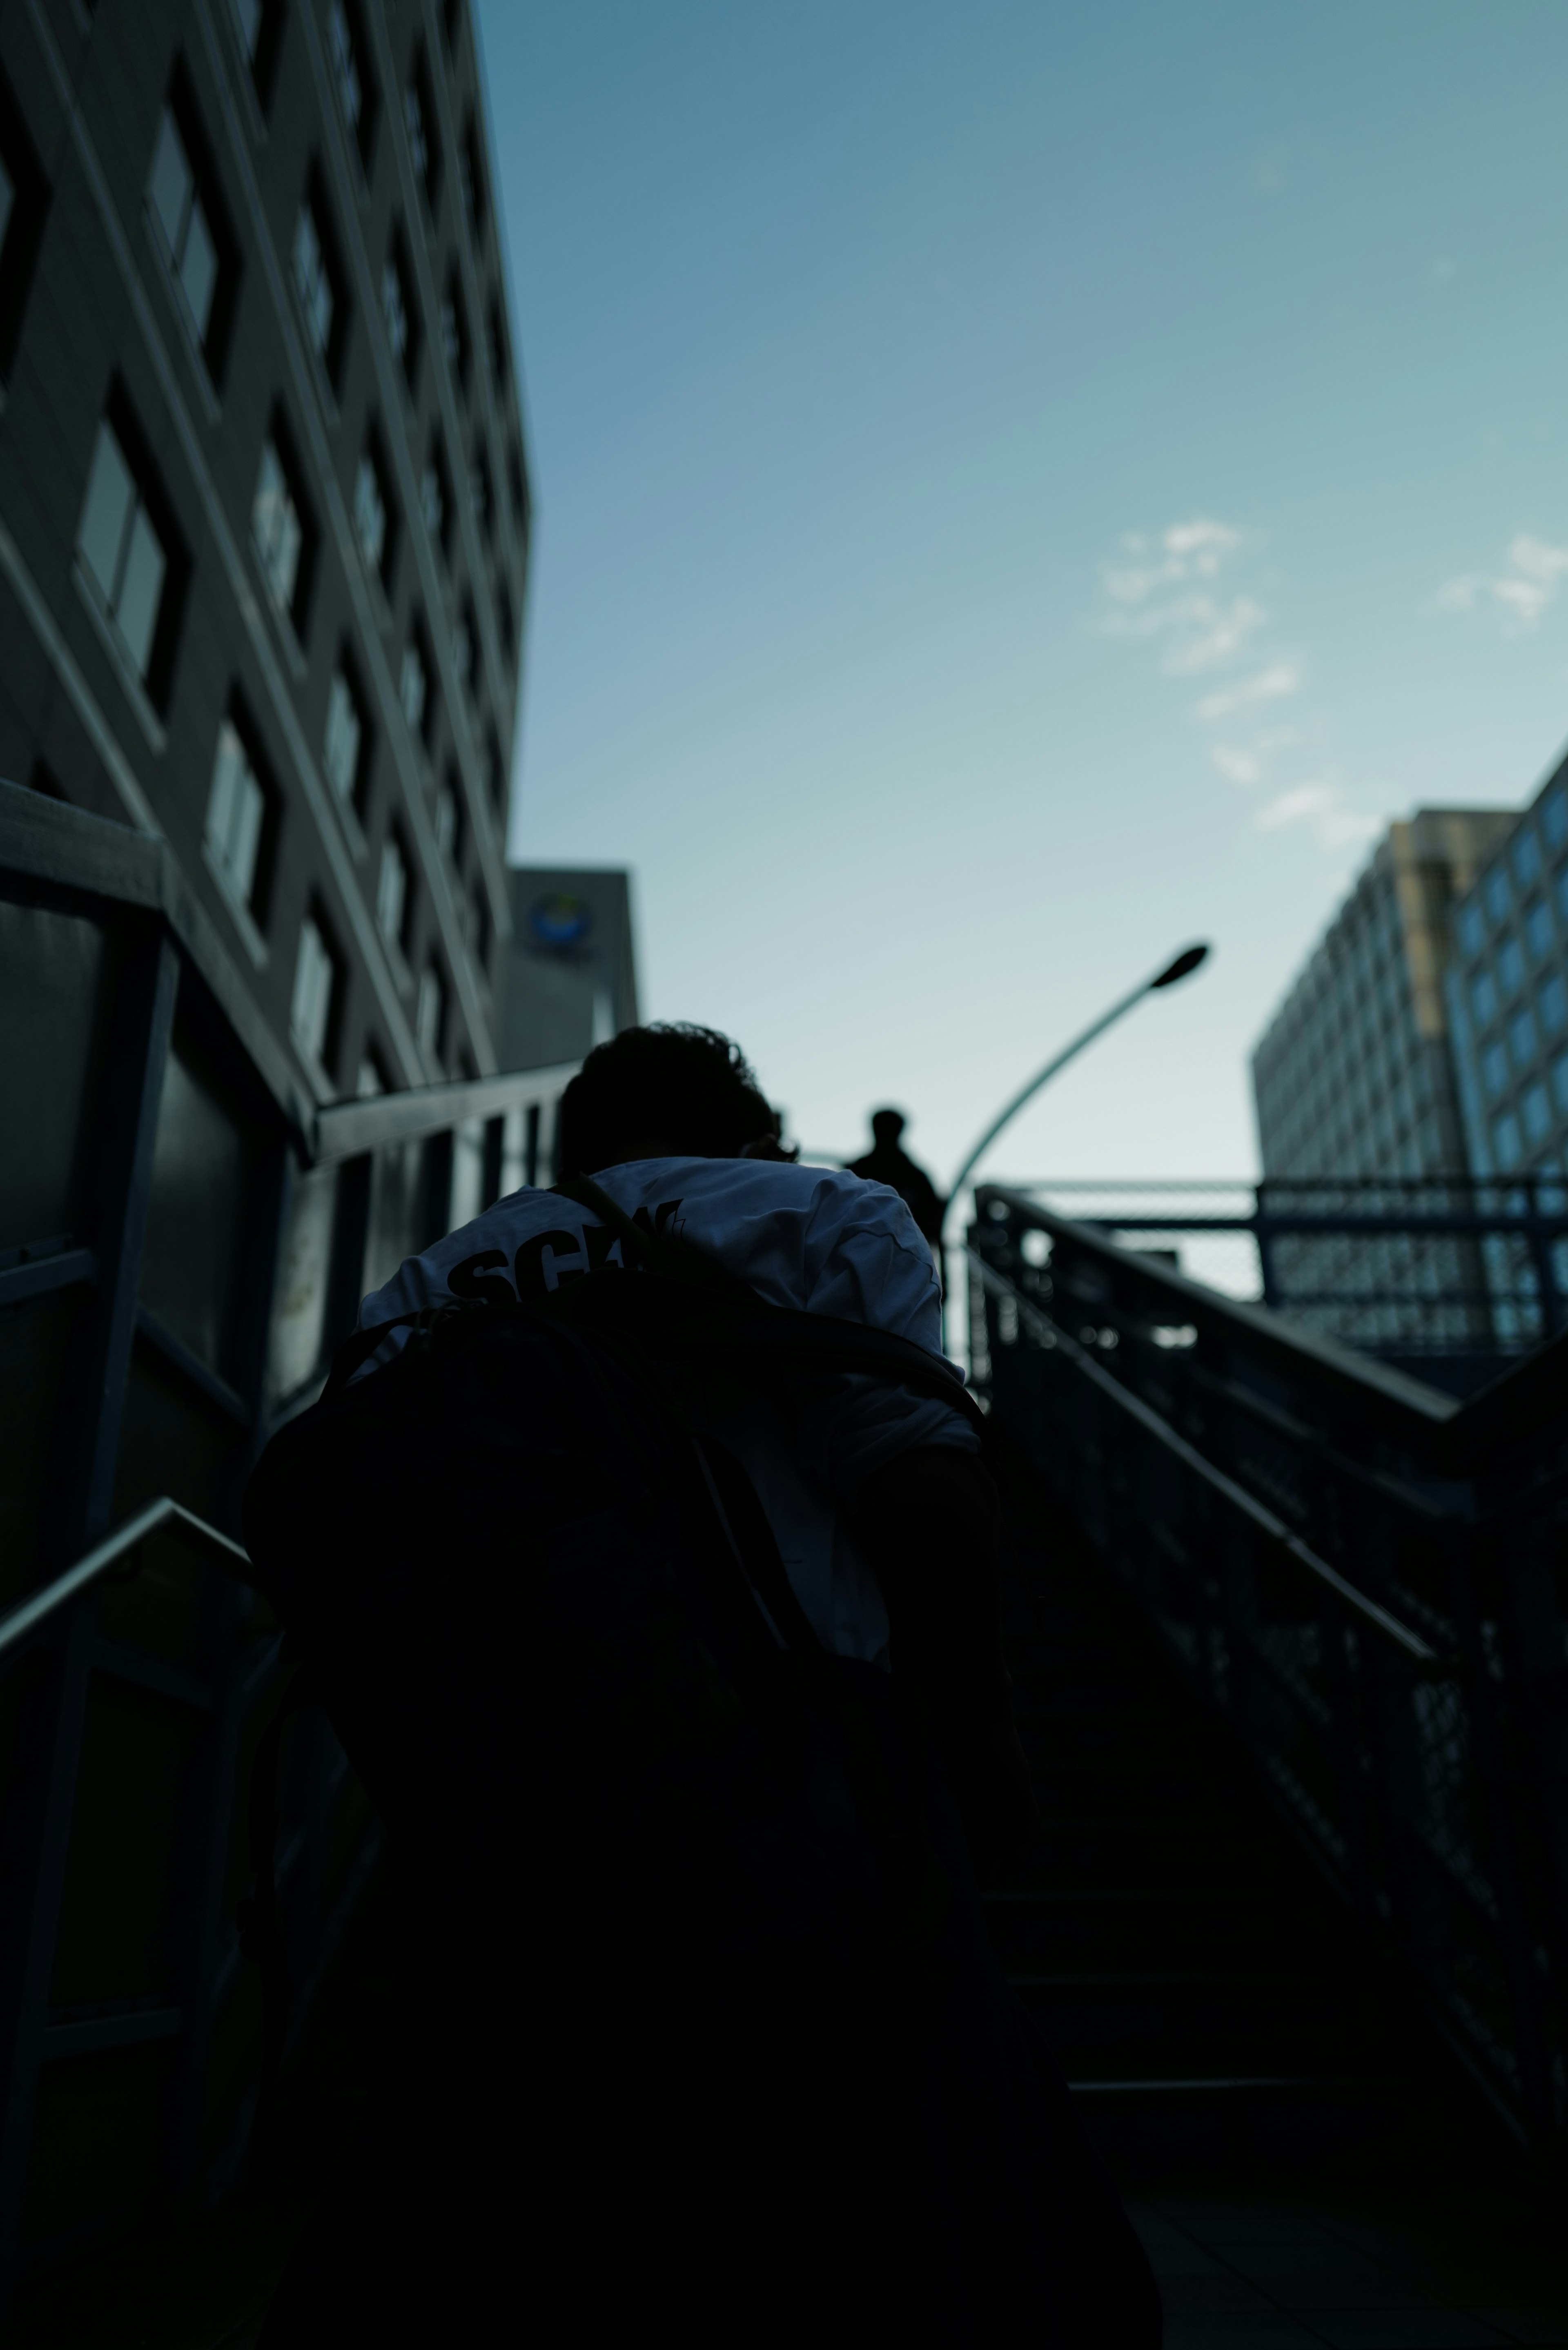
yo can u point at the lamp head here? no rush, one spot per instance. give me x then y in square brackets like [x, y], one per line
[1187, 961]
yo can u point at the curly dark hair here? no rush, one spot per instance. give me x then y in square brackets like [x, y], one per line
[675, 1083]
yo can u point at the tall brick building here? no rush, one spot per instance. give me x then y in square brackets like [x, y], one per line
[264, 498]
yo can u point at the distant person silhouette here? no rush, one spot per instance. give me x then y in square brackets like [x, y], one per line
[886, 1162]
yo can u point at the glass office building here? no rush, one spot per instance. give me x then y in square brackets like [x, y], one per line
[1353, 1080]
[263, 497]
[1506, 992]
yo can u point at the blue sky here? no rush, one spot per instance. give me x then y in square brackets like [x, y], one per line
[1019, 487]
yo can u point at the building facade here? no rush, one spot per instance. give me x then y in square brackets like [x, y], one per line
[1506, 991]
[1354, 1078]
[264, 497]
[571, 965]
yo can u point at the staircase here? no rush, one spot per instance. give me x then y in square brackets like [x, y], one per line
[1206, 1995]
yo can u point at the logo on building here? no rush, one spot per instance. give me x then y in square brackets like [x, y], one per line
[558, 923]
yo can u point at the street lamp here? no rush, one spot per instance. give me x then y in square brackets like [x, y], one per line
[1186, 961]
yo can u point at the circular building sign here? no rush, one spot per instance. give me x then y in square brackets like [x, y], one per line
[559, 921]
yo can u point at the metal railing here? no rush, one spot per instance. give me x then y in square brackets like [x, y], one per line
[185, 1238]
[1360, 1575]
[181, 1524]
[1447, 1274]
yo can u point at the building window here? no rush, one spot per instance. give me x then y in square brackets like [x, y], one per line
[463, 647]
[454, 331]
[470, 176]
[279, 530]
[449, 820]
[419, 121]
[429, 1012]
[1525, 858]
[1555, 818]
[344, 750]
[1472, 931]
[1538, 930]
[1552, 1001]
[1560, 1083]
[126, 546]
[414, 688]
[1483, 999]
[318, 282]
[1494, 1071]
[1536, 1111]
[397, 310]
[318, 987]
[1522, 1040]
[24, 205]
[259, 23]
[177, 210]
[1495, 891]
[237, 821]
[373, 520]
[392, 893]
[481, 492]
[435, 498]
[495, 345]
[349, 61]
[1505, 1142]
[1510, 966]
[479, 926]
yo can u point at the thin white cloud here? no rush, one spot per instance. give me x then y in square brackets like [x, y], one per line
[1212, 634]
[1320, 808]
[1534, 573]
[1271, 684]
[1186, 550]
[1163, 584]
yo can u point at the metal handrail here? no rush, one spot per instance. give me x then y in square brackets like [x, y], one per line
[345, 1129]
[181, 1522]
[1368, 1611]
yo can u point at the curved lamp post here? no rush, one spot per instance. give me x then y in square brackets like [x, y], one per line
[1185, 962]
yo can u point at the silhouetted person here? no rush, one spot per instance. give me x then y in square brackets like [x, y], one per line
[888, 1162]
[646, 1550]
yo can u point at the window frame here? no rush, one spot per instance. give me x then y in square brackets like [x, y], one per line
[396, 268]
[360, 130]
[256, 902]
[322, 1059]
[314, 205]
[419, 86]
[156, 673]
[24, 235]
[373, 456]
[297, 610]
[345, 675]
[214, 341]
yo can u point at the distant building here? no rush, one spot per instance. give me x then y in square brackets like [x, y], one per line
[263, 501]
[570, 979]
[1352, 1076]
[1355, 1077]
[1508, 994]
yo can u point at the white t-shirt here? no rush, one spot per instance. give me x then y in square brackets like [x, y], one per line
[808, 1237]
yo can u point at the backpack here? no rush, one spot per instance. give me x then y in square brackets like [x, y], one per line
[528, 1594]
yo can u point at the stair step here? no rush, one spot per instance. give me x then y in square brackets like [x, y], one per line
[1083, 1927]
[1253, 2125]
[1157, 2021]
[1200, 1852]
